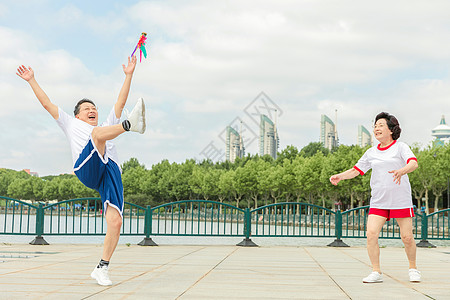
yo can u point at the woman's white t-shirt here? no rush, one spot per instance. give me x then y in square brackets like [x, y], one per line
[386, 194]
[79, 132]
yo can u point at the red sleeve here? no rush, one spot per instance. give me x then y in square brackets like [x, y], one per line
[357, 169]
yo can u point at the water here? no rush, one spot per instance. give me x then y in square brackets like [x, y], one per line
[74, 224]
[199, 240]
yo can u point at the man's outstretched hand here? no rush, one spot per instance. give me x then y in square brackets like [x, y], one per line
[24, 73]
[129, 69]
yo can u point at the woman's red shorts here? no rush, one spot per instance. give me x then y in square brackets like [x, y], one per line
[392, 213]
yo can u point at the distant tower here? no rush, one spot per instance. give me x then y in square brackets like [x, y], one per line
[241, 144]
[234, 144]
[328, 133]
[441, 133]
[364, 137]
[268, 137]
[336, 138]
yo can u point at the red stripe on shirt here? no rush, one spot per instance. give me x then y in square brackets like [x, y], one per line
[359, 170]
[387, 147]
[409, 159]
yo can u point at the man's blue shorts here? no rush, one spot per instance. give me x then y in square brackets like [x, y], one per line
[102, 175]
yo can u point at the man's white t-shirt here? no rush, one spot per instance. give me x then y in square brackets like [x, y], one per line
[79, 132]
[386, 194]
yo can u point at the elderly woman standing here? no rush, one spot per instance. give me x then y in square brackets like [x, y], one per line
[390, 161]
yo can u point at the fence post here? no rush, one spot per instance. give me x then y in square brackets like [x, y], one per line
[338, 231]
[39, 240]
[424, 233]
[247, 242]
[147, 241]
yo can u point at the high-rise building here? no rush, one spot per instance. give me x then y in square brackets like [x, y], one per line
[441, 133]
[328, 133]
[268, 137]
[364, 137]
[234, 145]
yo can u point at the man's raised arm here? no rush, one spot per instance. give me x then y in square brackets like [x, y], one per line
[28, 76]
[123, 95]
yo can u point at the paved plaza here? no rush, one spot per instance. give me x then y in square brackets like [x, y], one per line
[218, 272]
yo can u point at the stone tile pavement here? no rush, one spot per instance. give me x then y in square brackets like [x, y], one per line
[218, 272]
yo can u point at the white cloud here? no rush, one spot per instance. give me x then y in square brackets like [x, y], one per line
[208, 60]
[106, 24]
[69, 14]
[213, 50]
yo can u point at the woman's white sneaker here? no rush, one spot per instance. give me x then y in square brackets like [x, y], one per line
[414, 275]
[101, 275]
[373, 278]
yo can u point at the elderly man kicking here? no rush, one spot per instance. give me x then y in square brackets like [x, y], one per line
[94, 155]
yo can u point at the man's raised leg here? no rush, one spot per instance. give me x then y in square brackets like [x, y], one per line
[102, 134]
[135, 122]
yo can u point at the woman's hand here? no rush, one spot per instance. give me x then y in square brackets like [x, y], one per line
[397, 174]
[335, 179]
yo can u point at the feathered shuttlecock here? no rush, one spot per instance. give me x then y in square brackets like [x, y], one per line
[141, 46]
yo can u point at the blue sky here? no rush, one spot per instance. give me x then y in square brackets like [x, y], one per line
[209, 61]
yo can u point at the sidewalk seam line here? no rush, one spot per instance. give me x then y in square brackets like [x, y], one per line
[139, 275]
[323, 269]
[390, 276]
[207, 273]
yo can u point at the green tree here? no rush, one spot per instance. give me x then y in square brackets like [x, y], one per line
[131, 164]
[264, 183]
[80, 190]
[290, 152]
[176, 180]
[312, 148]
[7, 176]
[288, 179]
[152, 185]
[422, 179]
[344, 158]
[239, 184]
[196, 180]
[205, 181]
[65, 188]
[298, 188]
[273, 182]
[37, 185]
[225, 186]
[247, 179]
[230, 178]
[21, 188]
[311, 177]
[133, 180]
[441, 163]
[212, 182]
[30, 188]
[51, 189]
[140, 199]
